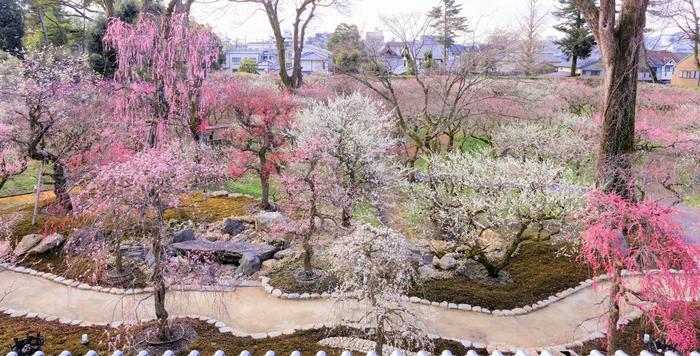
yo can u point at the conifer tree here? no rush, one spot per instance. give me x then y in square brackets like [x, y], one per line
[578, 41]
[448, 24]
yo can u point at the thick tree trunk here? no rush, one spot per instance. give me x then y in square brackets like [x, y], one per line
[60, 187]
[574, 59]
[620, 37]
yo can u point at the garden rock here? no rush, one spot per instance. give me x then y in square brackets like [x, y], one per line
[266, 220]
[282, 254]
[447, 263]
[184, 235]
[233, 227]
[268, 266]
[248, 264]
[217, 194]
[48, 243]
[226, 252]
[26, 244]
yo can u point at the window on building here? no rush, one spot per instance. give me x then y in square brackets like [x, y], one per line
[669, 69]
[684, 74]
[694, 74]
[236, 60]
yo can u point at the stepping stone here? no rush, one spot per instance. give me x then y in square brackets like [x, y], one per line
[226, 252]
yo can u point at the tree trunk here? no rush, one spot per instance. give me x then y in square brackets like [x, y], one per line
[308, 253]
[264, 183]
[613, 312]
[164, 333]
[347, 216]
[379, 339]
[574, 59]
[620, 37]
[60, 187]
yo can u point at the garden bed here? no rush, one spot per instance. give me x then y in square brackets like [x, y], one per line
[537, 274]
[536, 271]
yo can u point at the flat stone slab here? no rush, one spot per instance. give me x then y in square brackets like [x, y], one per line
[226, 252]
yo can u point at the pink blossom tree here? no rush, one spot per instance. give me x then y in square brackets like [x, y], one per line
[138, 188]
[259, 121]
[641, 238]
[55, 110]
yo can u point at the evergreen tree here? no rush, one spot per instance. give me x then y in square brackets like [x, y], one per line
[578, 40]
[103, 60]
[248, 65]
[11, 27]
[47, 22]
[347, 47]
[448, 24]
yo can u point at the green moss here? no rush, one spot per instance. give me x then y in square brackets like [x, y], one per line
[200, 209]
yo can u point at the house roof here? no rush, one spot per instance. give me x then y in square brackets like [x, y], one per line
[659, 58]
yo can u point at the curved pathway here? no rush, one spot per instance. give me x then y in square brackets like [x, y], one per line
[251, 310]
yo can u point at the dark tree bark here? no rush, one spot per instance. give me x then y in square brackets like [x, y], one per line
[620, 37]
[304, 12]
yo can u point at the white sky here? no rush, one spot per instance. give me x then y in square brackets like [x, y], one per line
[243, 22]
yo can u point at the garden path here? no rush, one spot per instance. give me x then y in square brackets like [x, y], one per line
[252, 310]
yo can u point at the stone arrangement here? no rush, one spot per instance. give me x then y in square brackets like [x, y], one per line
[371, 353]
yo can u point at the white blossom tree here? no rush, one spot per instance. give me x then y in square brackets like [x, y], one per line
[568, 139]
[374, 265]
[490, 206]
[357, 139]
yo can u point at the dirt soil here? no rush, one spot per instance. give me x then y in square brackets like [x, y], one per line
[59, 337]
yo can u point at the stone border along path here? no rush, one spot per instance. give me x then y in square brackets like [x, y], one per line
[252, 312]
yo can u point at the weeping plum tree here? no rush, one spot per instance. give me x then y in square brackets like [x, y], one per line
[138, 187]
[641, 237]
[375, 265]
[163, 60]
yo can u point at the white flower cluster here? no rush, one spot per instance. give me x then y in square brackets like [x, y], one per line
[490, 205]
[374, 265]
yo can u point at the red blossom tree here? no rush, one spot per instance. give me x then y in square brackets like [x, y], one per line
[641, 238]
[259, 121]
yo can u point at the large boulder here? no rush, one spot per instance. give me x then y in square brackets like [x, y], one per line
[27, 243]
[267, 219]
[445, 263]
[184, 235]
[248, 264]
[224, 251]
[233, 227]
[48, 243]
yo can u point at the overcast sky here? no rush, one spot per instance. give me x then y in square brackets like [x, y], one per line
[242, 21]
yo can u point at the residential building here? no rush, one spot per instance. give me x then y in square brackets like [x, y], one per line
[395, 53]
[319, 40]
[686, 73]
[264, 53]
[662, 63]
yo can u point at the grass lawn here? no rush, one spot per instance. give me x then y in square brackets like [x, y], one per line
[24, 183]
[249, 184]
[59, 337]
[537, 274]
